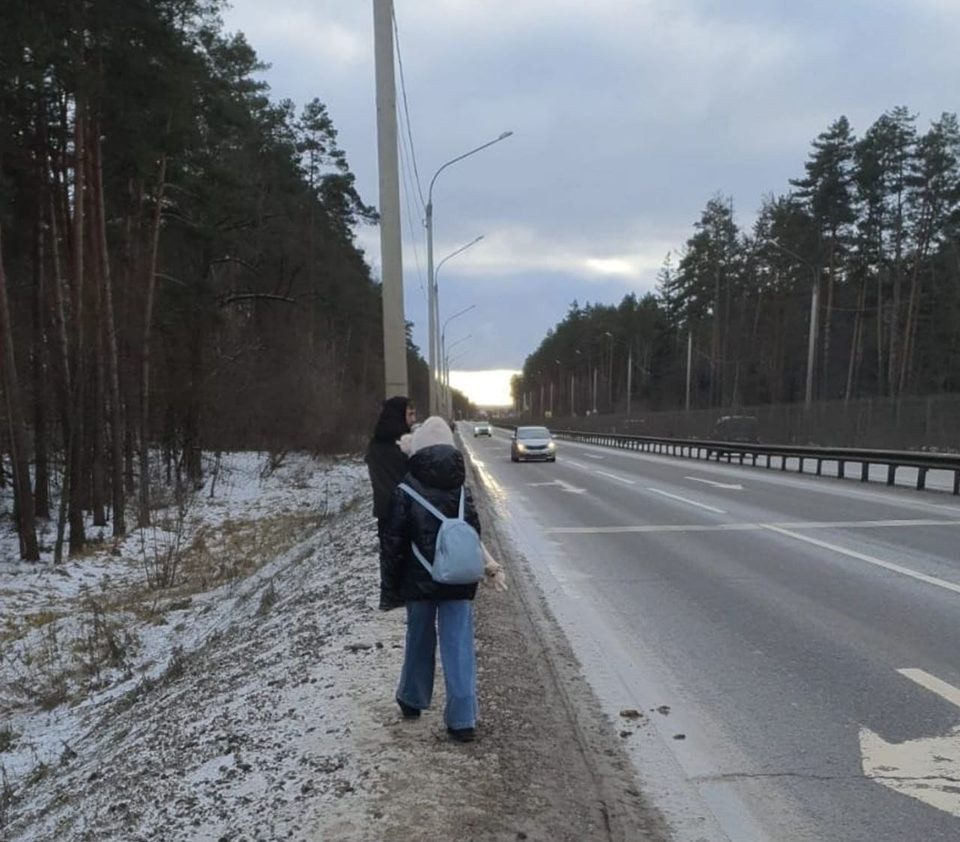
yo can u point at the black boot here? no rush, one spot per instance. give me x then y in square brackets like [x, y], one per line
[462, 735]
[408, 712]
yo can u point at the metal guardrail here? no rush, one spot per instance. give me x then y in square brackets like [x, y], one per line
[706, 449]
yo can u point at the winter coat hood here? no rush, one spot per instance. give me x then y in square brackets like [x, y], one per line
[392, 422]
[438, 466]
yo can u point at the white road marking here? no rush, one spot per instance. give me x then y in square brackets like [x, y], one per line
[927, 768]
[557, 483]
[593, 456]
[747, 527]
[728, 485]
[685, 500]
[576, 464]
[686, 527]
[933, 684]
[886, 565]
[614, 476]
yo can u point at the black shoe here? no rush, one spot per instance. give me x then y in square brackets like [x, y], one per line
[462, 735]
[408, 712]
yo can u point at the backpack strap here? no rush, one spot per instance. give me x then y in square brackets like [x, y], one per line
[462, 500]
[426, 503]
[406, 489]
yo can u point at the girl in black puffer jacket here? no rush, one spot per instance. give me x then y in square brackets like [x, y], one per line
[436, 472]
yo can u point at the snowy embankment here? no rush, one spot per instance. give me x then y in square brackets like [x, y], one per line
[227, 706]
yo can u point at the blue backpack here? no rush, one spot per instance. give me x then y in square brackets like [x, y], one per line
[458, 559]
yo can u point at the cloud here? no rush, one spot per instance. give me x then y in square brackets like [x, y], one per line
[629, 115]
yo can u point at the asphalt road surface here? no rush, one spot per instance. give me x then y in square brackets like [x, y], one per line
[793, 642]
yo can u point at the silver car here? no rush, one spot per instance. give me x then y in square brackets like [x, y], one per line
[532, 443]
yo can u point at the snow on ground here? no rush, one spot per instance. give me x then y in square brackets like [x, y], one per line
[195, 711]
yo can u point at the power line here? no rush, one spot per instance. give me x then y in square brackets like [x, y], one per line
[403, 90]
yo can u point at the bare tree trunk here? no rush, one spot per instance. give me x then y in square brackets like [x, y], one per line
[26, 527]
[151, 282]
[75, 450]
[856, 343]
[97, 402]
[112, 352]
[62, 366]
[40, 391]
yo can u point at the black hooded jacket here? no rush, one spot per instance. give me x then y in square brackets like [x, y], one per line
[386, 462]
[436, 473]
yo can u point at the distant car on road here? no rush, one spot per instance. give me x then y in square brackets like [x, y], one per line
[482, 428]
[532, 443]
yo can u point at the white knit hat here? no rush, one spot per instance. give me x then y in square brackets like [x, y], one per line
[432, 431]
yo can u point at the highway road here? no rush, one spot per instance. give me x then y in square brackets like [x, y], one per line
[792, 642]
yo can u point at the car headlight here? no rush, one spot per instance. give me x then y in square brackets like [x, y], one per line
[521, 447]
[551, 446]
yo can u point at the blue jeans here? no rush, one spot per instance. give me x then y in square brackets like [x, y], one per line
[453, 618]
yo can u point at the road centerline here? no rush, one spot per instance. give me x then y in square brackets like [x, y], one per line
[614, 476]
[686, 500]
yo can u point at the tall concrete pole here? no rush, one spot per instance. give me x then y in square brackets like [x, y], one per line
[629, 375]
[812, 339]
[391, 256]
[432, 327]
[689, 362]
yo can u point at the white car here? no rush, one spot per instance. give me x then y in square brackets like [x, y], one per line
[482, 428]
[530, 443]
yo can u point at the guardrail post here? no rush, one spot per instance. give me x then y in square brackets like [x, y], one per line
[755, 460]
[800, 460]
[921, 479]
[768, 459]
[841, 468]
[783, 463]
[865, 472]
[956, 482]
[891, 474]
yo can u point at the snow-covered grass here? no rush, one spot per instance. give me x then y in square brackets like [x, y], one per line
[94, 657]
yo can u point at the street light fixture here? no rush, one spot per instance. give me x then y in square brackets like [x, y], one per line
[434, 312]
[814, 314]
[446, 400]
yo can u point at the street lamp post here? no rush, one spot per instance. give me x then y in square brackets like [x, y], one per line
[448, 392]
[442, 353]
[814, 315]
[610, 375]
[433, 311]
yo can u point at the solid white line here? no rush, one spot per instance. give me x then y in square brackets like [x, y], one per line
[593, 455]
[685, 500]
[729, 485]
[614, 476]
[745, 527]
[886, 565]
[686, 527]
[933, 684]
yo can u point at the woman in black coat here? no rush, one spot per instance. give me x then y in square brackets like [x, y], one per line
[386, 462]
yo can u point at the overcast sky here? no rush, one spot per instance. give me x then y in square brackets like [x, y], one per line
[628, 116]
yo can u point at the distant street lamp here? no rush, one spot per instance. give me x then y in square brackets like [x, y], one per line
[443, 334]
[433, 310]
[446, 371]
[814, 314]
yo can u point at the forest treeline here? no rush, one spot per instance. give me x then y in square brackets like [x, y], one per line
[872, 225]
[178, 270]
